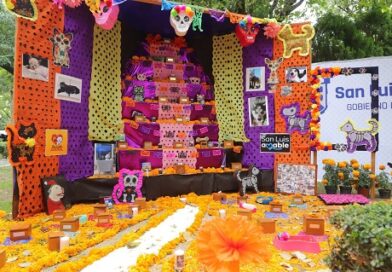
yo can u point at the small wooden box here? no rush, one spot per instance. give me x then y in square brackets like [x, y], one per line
[180, 169]
[204, 120]
[20, 231]
[298, 199]
[133, 205]
[58, 215]
[268, 225]
[121, 145]
[276, 207]
[104, 218]
[236, 166]
[140, 118]
[147, 145]
[3, 257]
[244, 212]
[314, 225]
[178, 145]
[163, 99]
[141, 201]
[184, 100]
[228, 144]
[69, 224]
[219, 196]
[54, 240]
[99, 209]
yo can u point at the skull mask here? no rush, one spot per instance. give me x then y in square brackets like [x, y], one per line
[107, 16]
[247, 31]
[181, 18]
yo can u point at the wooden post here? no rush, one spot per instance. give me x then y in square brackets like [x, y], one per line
[373, 187]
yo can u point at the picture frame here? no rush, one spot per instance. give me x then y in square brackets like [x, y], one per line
[255, 79]
[104, 158]
[296, 178]
[258, 111]
[35, 67]
[297, 74]
[68, 88]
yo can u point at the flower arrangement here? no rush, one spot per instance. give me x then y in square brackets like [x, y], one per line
[384, 179]
[330, 177]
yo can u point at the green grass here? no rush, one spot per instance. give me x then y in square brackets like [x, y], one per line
[6, 188]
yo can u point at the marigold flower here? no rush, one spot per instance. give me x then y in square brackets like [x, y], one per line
[325, 182]
[372, 176]
[355, 165]
[382, 167]
[356, 173]
[342, 164]
[367, 166]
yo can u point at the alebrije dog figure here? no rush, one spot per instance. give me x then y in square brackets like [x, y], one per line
[294, 120]
[293, 42]
[61, 46]
[128, 187]
[273, 78]
[249, 181]
[360, 137]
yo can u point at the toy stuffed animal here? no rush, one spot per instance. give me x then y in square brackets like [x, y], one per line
[273, 65]
[249, 181]
[21, 143]
[128, 187]
[293, 42]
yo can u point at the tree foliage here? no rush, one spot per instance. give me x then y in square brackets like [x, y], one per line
[5, 98]
[7, 32]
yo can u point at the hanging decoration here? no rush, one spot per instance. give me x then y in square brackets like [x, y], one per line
[128, 187]
[61, 46]
[73, 3]
[295, 121]
[21, 143]
[357, 137]
[107, 15]
[218, 15]
[181, 18]
[293, 42]
[246, 31]
[26, 9]
[166, 5]
[273, 79]
[197, 20]
[93, 5]
[271, 30]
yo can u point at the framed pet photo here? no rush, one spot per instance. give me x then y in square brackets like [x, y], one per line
[296, 178]
[68, 88]
[258, 111]
[104, 158]
[296, 74]
[35, 67]
[255, 79]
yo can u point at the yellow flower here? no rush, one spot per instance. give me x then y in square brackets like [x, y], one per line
[342, 164]
[356, 173]
[325, 182]
[30, 142]
[353, 161]
[367, 166]
[372, 176]
[331, 162]
[355, 165]
[382, 167]
[340, 175]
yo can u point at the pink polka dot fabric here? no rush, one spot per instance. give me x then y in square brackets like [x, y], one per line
[186, 156]
[170, 133]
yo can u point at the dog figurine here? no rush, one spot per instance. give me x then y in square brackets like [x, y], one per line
[293, 42]
[249, 181]
[273, 65]
[294, 120]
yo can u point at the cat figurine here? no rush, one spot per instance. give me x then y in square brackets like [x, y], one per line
[360, 137]
[21, 143]
[249, 181]
[61, 46]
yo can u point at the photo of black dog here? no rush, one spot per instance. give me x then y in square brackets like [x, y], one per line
[68, 89]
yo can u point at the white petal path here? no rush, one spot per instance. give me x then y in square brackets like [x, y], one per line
[150, 243]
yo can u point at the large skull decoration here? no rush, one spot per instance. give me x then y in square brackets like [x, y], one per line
[181, 18]
[107, 15]
[246, 31]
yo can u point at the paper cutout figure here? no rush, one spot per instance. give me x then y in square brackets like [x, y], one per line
[21, 144]
[246, 31]
[55, 195]
[26, 9]
[197, 20]
[294, 120]
[181, 18]
[128, 187]
[273, 65]
[249, 181]
[360, 137]
[271, 30]
[61, 46]
[107, 15]
[293, 42]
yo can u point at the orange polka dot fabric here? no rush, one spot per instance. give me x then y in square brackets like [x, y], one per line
[300, 148]
[34, 102]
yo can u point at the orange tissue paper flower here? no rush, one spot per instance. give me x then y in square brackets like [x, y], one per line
[224, 243]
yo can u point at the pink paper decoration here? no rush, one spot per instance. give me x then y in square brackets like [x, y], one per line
[298, 243]
[170, 133]
[271, 30]
[107, 16]
[183, 156]
[73, 3]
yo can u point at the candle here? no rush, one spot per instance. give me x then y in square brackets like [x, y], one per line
[135, 211]
[64, 242]
[222, 213]
[179, 262]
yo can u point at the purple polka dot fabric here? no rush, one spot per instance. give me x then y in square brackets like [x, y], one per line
[253, 56]
[78, 163]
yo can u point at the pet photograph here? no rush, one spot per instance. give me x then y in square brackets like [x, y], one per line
[104, 158]
[296, 74]
[258, 111]
[255, 79]
[35, 67]
[293, 178]
[68, 88]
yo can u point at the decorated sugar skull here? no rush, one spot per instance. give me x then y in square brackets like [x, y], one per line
[181, 18]
[246, 31]
[128, 187]
[107, 15]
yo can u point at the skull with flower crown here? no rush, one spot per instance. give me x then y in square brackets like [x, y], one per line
[181, 18]
[246, 31]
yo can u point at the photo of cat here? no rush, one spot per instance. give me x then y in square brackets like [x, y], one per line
[68, 88]
[35, 67]
[258, 111]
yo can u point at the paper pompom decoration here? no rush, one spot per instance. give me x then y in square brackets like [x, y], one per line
[181, 18]
[271, 30]
[225, 243]
[73, 3]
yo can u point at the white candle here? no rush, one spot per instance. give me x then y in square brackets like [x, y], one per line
[179, 262]
[222, 213]
[135, 211]
[64, 242]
